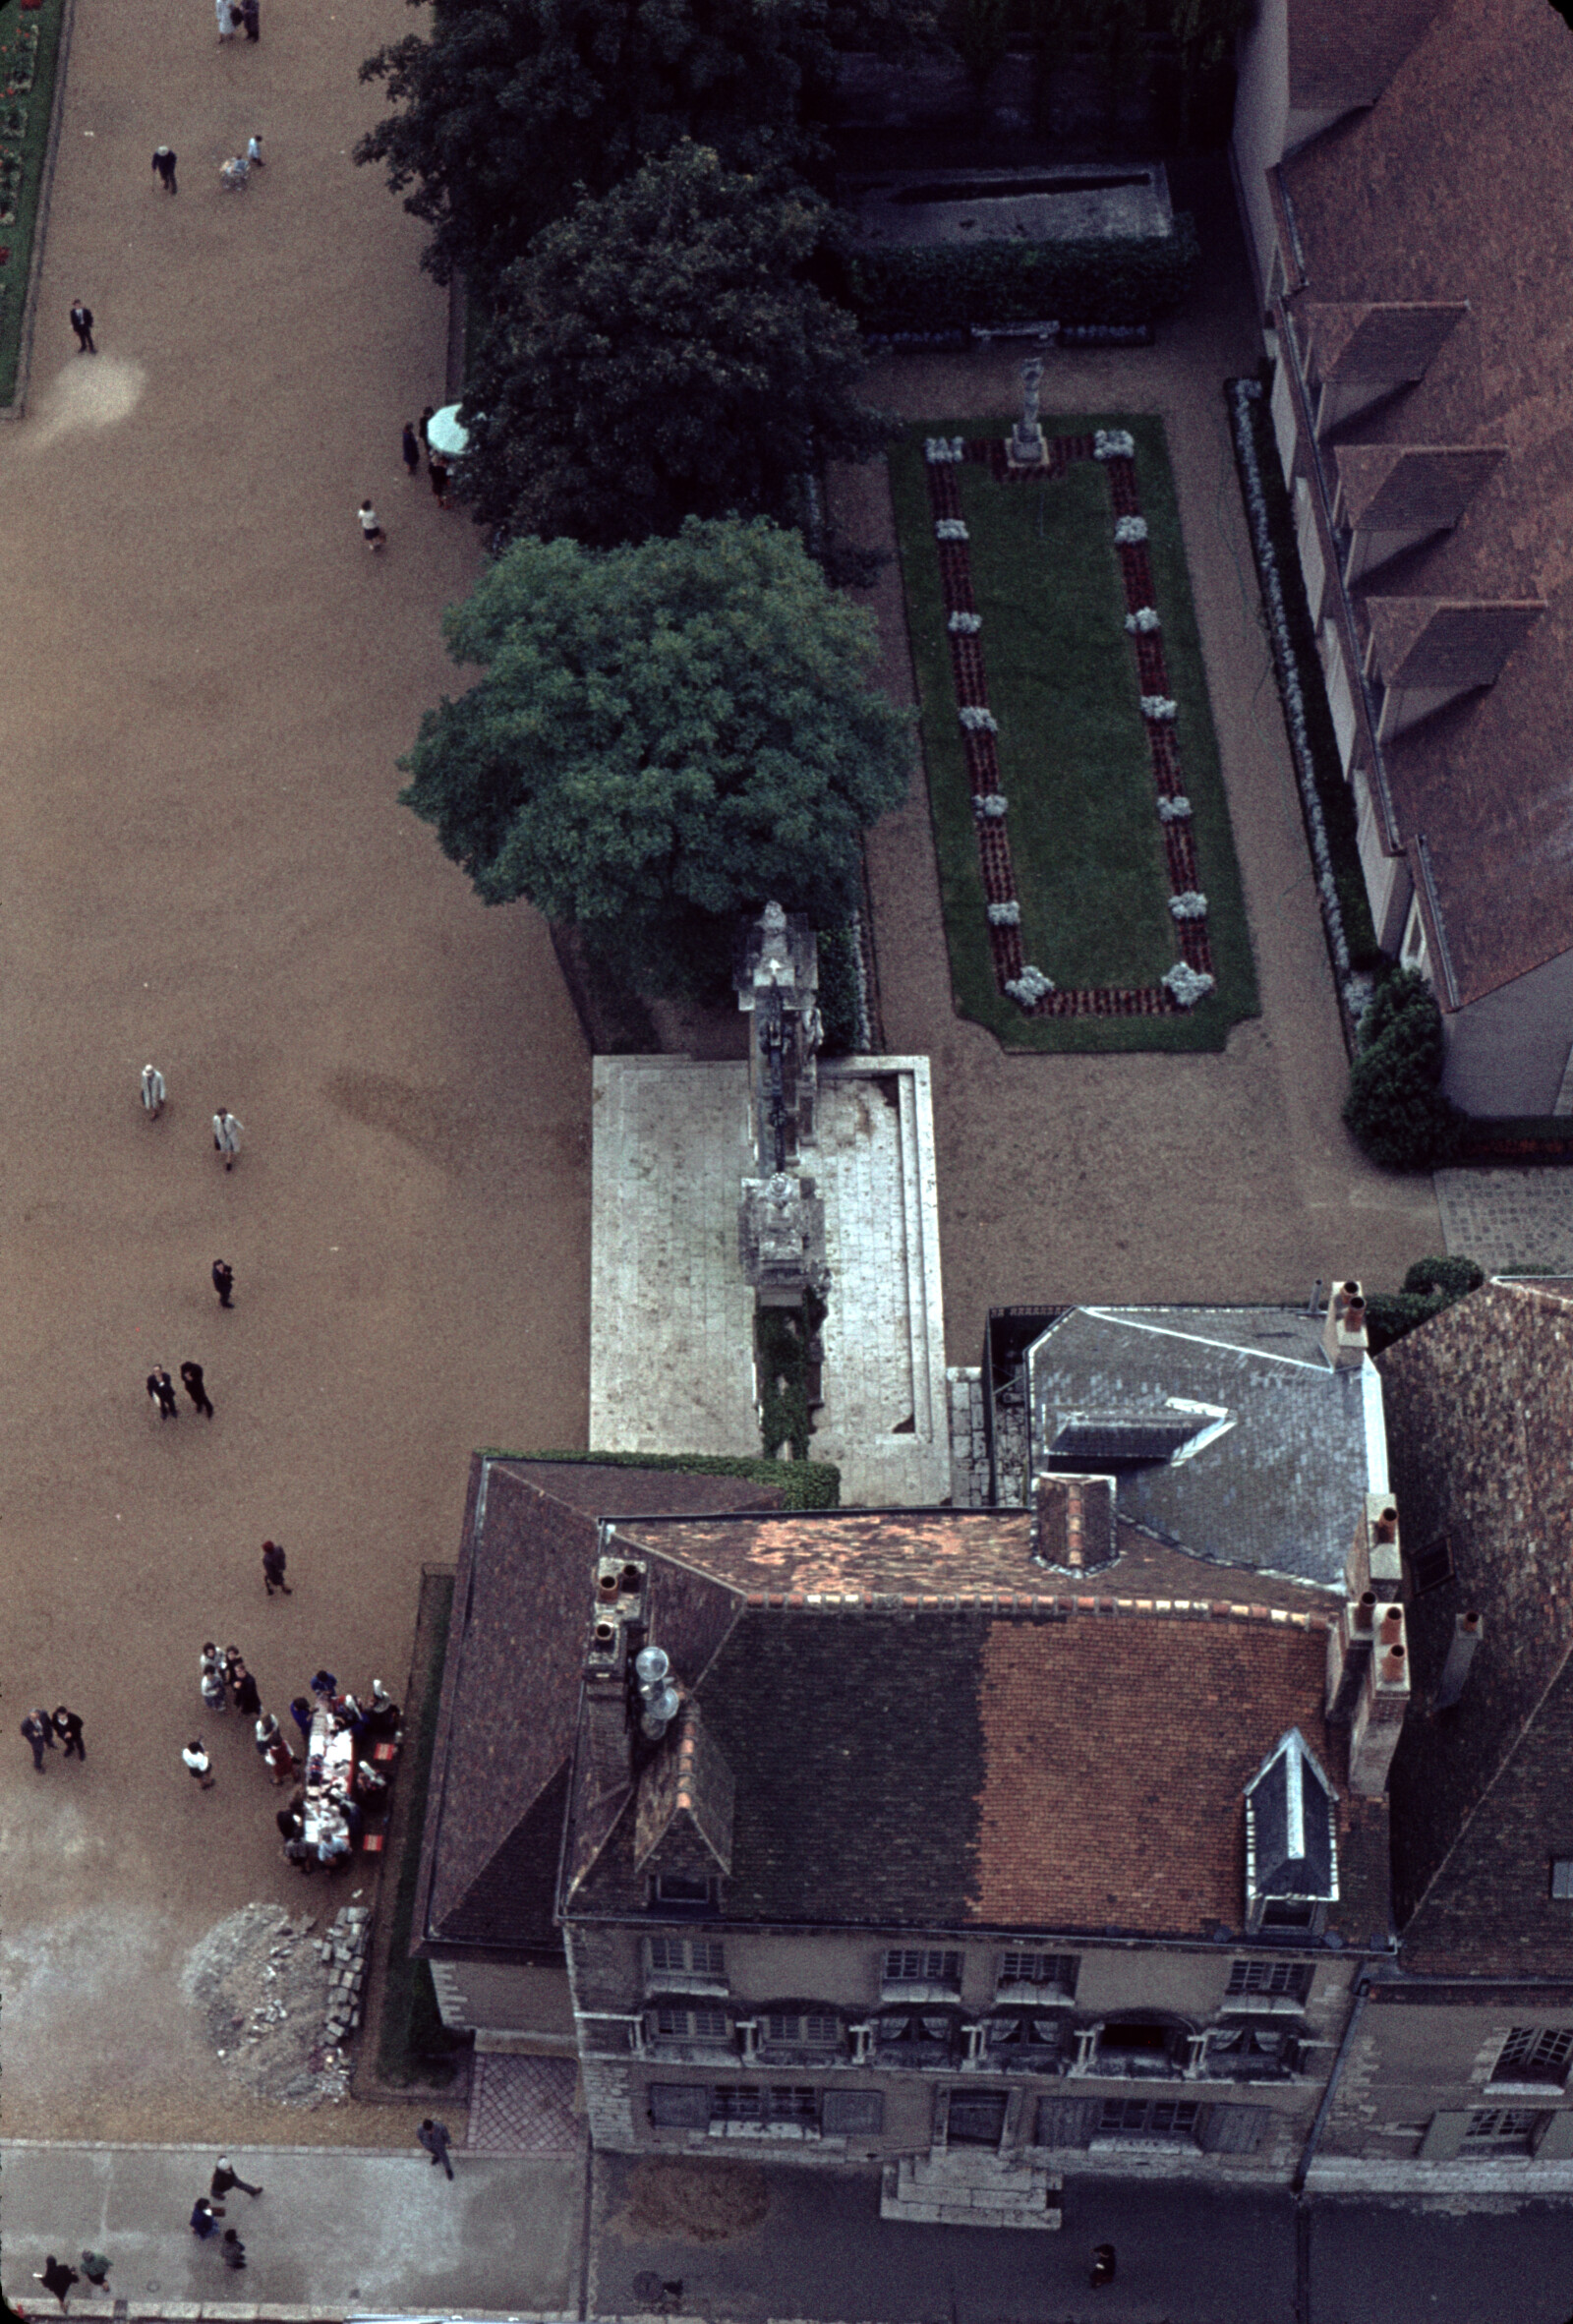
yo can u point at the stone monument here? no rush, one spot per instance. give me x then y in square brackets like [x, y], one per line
[1025, 445]
[776, 978]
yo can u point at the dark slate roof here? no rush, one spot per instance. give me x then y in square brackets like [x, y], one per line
[1453, 187]
[510, 1685]
[960, 1768]
[1481, 1406]
[1280, 1488]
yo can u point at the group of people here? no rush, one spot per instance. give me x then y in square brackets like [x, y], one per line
[56, 2277]
[161, 1389]
[440, 468]
[208, 2210]
[324, 1816]
[41, 1728]
[227, 1132]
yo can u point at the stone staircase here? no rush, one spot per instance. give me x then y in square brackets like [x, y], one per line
[971, 2187]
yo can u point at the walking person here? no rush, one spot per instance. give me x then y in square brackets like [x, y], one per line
[37, 1728]
[81, 325]
[200, 1767]
[232, 2251]
[153, 1080]
[226, 30]
[410, 450]
[435, 2138]
[205, 2218]
[196, 1387]
[223, 1282]
[161, 1389]
[225, 2176]
[273, 1563]
[371, 532]
[228, 1134]
[56, 2277]
[1102, 2271]
[165, 164]
[251, 16]
[95, 2267]
[68, 1726]
[253, 143]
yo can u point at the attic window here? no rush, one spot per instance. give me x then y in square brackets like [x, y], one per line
[1432, 1566]
[1290, 1980]
[813, 2029]
[1562, 1877]
[1055, 1972]
[686, 1957]
[1288, 1913]
[920, 1965]
[1536, 2054]
[685, 1890]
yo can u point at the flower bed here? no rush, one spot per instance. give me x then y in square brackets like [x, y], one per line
[1086, 831]
[28, 54]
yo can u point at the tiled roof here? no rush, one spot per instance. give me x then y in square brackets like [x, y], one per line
[1481, 1405]
[1069, 1772]
[1428, 641]
[1403, 488]
[1282, 1482]
[1340, 55]
[1453, 187]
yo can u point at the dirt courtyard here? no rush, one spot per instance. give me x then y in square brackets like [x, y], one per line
[202, 864]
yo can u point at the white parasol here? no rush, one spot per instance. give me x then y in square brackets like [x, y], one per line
[444, 433]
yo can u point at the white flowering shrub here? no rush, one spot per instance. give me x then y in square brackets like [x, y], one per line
[940, 450]
[951, 528]
[1112, 443]
[1029, 987]
[1189, 985]
[1175, 811]
[1129, 530]
[1159, 708]
[1145, 619]
[990, 804]
[1005, 915]
[977, 720]
[1189, 904]
[964, 624]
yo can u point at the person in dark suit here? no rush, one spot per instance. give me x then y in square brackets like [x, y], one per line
[225, 2176]
[165, 164]
[247, 1698]
[68, 1726]
[223, 1282]
[56, 2277]
[411, 448]
[191, 1377]
[36, 1727]
[205, 2218]
[81, 325]
[273, 1563]
[161, 1388]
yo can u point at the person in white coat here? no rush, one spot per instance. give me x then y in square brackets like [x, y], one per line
[228, 1134]
[152, 1091]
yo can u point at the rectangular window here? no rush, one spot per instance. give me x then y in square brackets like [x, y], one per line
[683, 1888]
[1290, 1979]
[1432, 1566]
[745, 2101]
[687, 1956]
[1535, 2054]
[680, 2106]
[691, 2025]
[813, 2028]
[975, 2117]
[1562, 1876]
[922, 1966]
[1282, 1913]
[1504, 2129]
[1142, 2117]
[853, 2113]
[1056, 1970]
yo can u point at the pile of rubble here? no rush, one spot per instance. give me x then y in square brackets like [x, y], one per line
[346, 1949]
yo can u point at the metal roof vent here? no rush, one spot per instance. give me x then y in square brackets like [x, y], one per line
[652, 1668]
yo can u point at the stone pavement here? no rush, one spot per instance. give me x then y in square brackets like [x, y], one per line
[523, 2105]
[1505, 1217]
[671, 1317]
[336, 2229]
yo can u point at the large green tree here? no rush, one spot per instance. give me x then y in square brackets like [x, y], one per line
[665, 736]
[508, 108]
[658, 354]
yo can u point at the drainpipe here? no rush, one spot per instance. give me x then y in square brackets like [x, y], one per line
[1297, 2185]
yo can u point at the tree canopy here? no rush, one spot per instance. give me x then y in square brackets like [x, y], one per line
[666, 736]
[511, 107]
[658, 354]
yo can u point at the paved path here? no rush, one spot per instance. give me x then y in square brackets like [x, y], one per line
[377, 2232]
[1506, 1218]
[206, 683]
[1221, 1177]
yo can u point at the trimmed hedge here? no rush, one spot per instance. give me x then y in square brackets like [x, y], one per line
[1430, 1285]
[803, 1485]
[838, 991]
[945, 285]
[1395, 1107]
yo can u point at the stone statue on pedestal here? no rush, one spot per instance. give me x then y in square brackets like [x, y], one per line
[1027, 447]
[778, 983]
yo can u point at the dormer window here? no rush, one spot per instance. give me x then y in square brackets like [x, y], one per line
[1291, 1841]
[1037, 1976]
[921, 1973]
[683, 1893]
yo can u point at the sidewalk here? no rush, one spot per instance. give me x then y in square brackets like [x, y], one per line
[340, 2230]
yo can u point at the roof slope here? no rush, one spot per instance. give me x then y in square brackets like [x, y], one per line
[1481, 1406]
[1279, 1487]
[1453, 186]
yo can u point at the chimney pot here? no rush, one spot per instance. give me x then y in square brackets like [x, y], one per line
[1392, 1625]
[1387, 1525]
[1472, 1621]
[631, 1578]
[606, 1586]
[606, 1631]
[1393, 1665]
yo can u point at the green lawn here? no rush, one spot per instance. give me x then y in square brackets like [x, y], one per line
[1085, 834]
[20, 188]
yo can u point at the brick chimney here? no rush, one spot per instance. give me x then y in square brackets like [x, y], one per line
[607, 1740]
[1074, 1522]
[1468, 1631]
[1343, 1335]
[1375, 1559]
[1349, 1649]
[1383, 1701]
